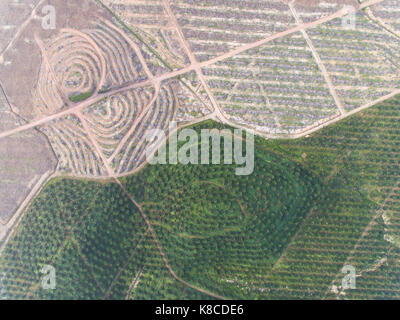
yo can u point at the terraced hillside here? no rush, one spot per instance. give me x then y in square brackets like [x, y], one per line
[151, 23]
[75, 151]
[387, 14]
[275, 88]
[214, 27]
[364, 63]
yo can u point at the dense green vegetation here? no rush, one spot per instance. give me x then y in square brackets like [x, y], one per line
[216, 229]
[81, 96]
[86, 230]
[358, 222]
[311, 206]
[221, 231]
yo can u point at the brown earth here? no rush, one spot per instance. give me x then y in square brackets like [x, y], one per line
[24, 159]
[12, 15]
[20, 68]
[315, 3]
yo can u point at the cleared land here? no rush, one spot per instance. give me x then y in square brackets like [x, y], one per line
[95, 73]
[364, 63]
[275, 88]
[20, 167]
[387, 13]
[12, 15]
[149, 21]
[214, 27]
[311, 10]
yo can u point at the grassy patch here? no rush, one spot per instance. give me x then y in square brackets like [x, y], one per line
[81, 96]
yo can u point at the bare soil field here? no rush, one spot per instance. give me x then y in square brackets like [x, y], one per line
[88, 67]
[387, 13]
[318, 3]
[12, 15]
[214, 27]
[150, 21]
[310, 10]
[22, 62]
[24, 158]
[276, 88]
[364, 63]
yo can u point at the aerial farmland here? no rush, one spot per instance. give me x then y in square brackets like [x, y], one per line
[91, 91]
